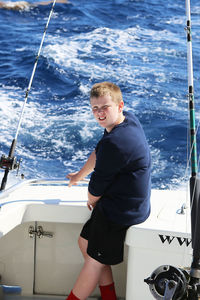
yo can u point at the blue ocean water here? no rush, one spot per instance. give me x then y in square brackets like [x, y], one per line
[138, 44]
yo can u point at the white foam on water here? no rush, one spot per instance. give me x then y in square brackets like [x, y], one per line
[114, 53]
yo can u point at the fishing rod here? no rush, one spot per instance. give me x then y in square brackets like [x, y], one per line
[168, 282]
[193, 146]
[194, 283]
[10, 162]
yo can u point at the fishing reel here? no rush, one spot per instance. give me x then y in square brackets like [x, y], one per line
[168, 283]
[6, 162]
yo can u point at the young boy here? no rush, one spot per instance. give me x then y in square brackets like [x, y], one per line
[118, 191]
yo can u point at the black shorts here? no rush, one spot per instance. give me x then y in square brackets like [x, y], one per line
[105, 238]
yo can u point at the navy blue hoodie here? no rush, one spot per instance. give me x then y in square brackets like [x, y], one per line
[122, 173]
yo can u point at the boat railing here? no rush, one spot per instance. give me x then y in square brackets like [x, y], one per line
[41, 181]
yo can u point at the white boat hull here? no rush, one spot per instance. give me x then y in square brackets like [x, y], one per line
[164, 239]
[48, 265]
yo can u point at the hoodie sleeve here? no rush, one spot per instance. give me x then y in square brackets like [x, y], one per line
[109, 161]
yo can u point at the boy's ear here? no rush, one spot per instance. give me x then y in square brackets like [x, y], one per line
[121, 106]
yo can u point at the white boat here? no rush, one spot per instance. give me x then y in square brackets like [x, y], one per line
[40, 221]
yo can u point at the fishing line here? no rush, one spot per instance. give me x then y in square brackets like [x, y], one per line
[10, 163]
[34, 69]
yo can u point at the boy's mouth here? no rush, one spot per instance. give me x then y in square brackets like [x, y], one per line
[102, 118]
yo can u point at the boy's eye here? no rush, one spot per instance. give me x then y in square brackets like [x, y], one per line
[103, 108]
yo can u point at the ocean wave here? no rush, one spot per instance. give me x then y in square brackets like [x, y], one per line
[141, 47]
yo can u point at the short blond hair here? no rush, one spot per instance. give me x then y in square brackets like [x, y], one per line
[106, 88]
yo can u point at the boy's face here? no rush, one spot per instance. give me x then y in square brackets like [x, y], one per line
[107, 113]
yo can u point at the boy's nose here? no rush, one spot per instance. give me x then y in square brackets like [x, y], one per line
[100, 110]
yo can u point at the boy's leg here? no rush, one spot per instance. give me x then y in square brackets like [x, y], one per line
[106, 276]
[96, 229]
[106, 283]
[88, 278]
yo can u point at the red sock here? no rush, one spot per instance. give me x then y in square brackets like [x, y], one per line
[72, 297]
[108, 292]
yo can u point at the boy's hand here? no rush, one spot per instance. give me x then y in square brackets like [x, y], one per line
[74, 178]
[88, 167]
[92, 200]
[91, 205]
